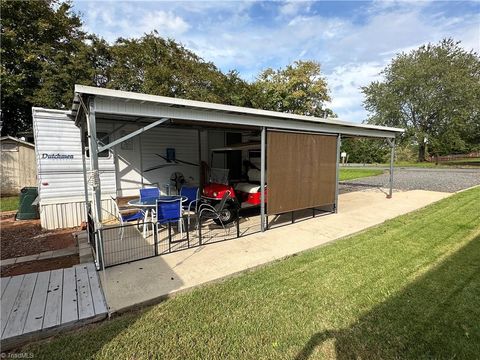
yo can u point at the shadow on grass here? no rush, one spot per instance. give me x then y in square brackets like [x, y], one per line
[437, 316]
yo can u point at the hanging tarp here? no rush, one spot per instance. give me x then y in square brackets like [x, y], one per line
[301, 171]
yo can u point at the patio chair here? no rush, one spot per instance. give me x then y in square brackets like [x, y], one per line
[127, 217]
[209, 212]
[149, 193]
[168, 212]
[193, 197]
[146, 193]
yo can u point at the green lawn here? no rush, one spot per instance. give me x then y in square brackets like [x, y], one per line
[9, 203]
[472, 162]
[468, 163]
[408, 289]
[350, 174]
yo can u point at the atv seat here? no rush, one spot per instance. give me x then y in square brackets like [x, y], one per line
[247, 187]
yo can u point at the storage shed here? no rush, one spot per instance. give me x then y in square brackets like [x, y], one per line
[18, 167]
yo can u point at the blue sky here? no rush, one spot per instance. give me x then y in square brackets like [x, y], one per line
[353, 40]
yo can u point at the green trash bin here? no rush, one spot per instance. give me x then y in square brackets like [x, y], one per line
[27, 211]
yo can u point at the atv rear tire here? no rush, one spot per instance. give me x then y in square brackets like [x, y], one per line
[227, 215]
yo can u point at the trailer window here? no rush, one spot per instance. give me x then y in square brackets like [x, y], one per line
[103, 138]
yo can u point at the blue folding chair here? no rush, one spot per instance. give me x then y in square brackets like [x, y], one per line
[128, 217]
[168, 212]
[147, 193]
[123, 218]
[193, 197]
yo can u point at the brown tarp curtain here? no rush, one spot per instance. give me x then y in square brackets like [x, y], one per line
[301, 171]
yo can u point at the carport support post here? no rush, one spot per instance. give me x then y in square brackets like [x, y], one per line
[262, 180]
[337, 171]
[85, 180]
[391, 142]
[95, 176]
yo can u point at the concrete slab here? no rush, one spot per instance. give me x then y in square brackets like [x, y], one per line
[150, 280]
[45, 255]
[27, 258]
[65, 252]
[8, 261]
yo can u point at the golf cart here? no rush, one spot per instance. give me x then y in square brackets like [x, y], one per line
[246, 191]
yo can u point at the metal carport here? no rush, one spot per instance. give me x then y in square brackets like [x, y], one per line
[152, 111]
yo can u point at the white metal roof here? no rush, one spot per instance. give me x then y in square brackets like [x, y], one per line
[226, 109]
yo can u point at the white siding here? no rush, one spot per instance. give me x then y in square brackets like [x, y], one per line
[128, 162]
[60, 181]
[156, 141]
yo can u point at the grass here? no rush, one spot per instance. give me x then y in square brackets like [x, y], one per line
[467, 163]
[9, 203]
[409, 288]
[350, 174]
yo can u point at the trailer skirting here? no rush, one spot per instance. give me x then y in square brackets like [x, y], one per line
[71, 214]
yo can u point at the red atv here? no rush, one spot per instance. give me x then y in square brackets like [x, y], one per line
[244, 195]
[213, 194]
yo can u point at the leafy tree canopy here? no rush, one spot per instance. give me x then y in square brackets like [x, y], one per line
[157, 66]
[39, 42]
[434, 93]
[365, 151]
[299, 88]
[45, 53]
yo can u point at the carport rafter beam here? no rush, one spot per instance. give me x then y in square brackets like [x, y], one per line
[118, 107]
[119, 128]
[133, 134]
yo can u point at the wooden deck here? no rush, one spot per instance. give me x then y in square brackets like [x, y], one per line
[37, 305]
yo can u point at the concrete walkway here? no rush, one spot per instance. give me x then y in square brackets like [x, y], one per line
[150, 280]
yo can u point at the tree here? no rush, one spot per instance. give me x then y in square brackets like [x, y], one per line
[434, 93]
[45, 53]
[157, 66]
[365, 151]
[298, 89]
[237, 91]
[40, 43]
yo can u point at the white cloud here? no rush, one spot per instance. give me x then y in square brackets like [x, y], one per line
[164, 22]
[345, 82]
[124, 19]
[290, 8]
[250, 36]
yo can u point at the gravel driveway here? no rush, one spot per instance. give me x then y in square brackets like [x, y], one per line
[444, 180]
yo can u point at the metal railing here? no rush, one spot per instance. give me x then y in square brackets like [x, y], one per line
[126, 243]
[119, 244]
